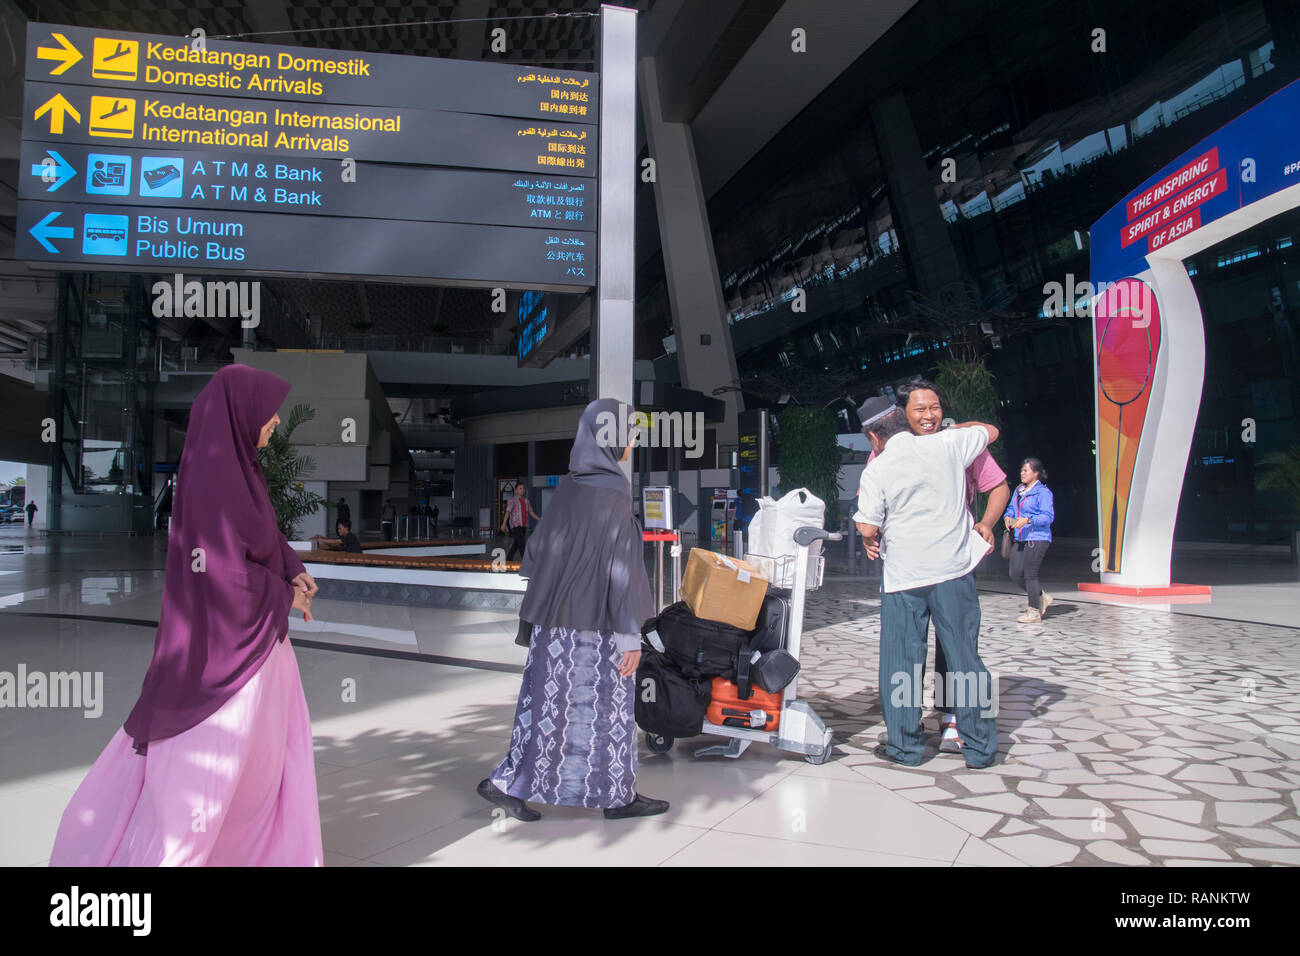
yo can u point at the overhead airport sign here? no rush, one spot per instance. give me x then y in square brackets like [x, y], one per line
[149, 64]
[136, 238]
[238, 181]
[143, 152]
[83, 115]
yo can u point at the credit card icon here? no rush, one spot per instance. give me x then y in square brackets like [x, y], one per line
[160, 177]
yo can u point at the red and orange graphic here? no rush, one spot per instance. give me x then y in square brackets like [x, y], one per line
[1127, 326]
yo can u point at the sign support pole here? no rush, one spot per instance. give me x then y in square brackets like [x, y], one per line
[612, 336]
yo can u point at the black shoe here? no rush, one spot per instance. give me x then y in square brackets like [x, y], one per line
[490, 792]
[882, 752]
[640, 807]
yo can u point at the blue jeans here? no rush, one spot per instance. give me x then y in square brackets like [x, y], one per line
[955, 609]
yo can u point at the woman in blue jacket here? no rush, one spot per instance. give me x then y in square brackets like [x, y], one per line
[1029, 521]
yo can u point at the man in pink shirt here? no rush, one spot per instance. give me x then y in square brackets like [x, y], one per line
[517, 510]
[920, 400]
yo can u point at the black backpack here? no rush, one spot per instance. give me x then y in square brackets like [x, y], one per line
[698, 648]
[668, 703]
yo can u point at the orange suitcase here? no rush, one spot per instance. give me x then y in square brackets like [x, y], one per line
[760, 711]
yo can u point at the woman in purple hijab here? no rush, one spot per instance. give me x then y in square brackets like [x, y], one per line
[214, 764]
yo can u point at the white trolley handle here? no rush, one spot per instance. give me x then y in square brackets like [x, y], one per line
[803, 538]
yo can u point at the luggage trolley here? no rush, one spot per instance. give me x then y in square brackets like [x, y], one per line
[800, 730]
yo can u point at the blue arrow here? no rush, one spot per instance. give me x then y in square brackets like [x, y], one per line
[66, 171]
[44, 232]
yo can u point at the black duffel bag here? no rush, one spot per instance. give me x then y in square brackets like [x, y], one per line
[698, 648]
[668, 703]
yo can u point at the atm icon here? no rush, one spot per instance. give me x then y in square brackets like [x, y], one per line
[108, 175]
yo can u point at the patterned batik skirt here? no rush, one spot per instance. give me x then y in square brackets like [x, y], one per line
[574, 737]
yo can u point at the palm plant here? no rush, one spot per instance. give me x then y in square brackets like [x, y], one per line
[1280, 471]
[810, 456]
[285, 470]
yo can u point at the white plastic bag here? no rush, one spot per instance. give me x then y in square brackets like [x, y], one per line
[771, 533]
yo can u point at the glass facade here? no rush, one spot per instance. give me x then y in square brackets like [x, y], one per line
[929, 197]
[101, 474]
[1249, 288]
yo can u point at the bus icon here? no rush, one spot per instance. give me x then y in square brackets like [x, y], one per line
[104, 235]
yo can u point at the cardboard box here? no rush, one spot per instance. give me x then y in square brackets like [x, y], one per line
[718, 588]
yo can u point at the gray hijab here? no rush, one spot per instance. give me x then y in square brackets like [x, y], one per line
[585, 563]
[599, 444]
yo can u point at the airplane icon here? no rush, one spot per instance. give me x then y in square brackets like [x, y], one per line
[115, 59]
[112, 116]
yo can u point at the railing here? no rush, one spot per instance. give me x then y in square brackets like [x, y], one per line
[368, 342]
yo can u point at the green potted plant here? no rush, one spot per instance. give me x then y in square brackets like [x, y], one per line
[285, 470]
[810, 456]
[1280, 471]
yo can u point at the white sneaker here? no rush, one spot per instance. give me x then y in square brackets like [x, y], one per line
[950, 743]
[1044, 602]
[1030, 615]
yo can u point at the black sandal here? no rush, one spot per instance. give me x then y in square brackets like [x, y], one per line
[490, 792]
[640, 807]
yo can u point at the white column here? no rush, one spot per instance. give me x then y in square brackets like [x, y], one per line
[611, 327]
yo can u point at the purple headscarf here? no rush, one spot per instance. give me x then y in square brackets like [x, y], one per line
[225, 606]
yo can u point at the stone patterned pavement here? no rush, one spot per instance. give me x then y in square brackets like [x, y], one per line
[1129, 736]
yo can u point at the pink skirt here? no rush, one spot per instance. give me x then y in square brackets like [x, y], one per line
[239, 789]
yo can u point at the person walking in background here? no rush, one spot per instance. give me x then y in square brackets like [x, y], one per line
[345, 512]
[1029, 519]
[386, 519]
[31, 513]
[515, 519]
[574, 741]
[214, 765]
[435, 519]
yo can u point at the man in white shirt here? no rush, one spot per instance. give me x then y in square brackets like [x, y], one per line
[915, 490]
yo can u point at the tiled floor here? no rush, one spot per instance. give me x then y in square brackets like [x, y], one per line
[1131, 736]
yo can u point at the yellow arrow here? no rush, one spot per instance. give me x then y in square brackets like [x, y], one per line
[70, 55]
[57, 107]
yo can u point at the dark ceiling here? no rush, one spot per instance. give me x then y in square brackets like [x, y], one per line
[550, 36]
